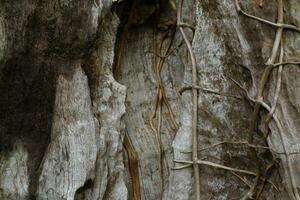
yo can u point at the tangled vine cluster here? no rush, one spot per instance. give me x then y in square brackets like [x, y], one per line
[278, 48]
[161, 52]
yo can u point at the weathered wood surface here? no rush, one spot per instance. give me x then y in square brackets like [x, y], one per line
[63, 113]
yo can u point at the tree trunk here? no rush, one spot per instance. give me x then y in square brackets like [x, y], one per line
[97, 99]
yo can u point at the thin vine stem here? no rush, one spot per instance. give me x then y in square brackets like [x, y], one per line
[161, 99]
[278, 24]
[195, 101]
[292, 187]
[259, 99]
[278, 87]
[262, 83]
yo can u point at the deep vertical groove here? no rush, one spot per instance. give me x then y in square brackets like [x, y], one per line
[133, 167]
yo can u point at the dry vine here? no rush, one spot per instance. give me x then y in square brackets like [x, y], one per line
[258, 103]
[161, 99]
[195, 161]
[131, 152]
[259, 98]
[159, 59]
[181, 26]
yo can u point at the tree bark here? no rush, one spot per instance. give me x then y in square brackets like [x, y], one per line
[98, 100]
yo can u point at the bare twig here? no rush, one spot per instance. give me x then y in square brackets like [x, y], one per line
[209, 91]
[241, 178]
[215, 165]
[183, 24]
[241, 143]
[278, 24]
[229, 142]
[182, 167]
[219, 166]
[285, 63]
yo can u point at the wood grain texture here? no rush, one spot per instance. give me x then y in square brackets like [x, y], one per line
[62, 112]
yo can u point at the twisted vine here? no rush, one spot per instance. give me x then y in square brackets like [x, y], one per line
[270, 65]
[160, 100]
[259, 98]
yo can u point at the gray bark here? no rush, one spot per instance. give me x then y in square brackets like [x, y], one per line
[64, 113]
